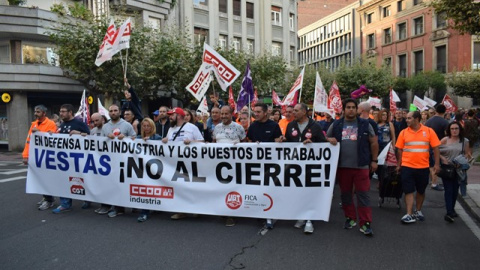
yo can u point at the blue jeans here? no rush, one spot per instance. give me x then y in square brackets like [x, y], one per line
[451, 192]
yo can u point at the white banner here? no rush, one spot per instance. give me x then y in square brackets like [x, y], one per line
[297, 85]
[320, 99]
[419, 103]
[429, 101]
[268, 180]
[225, 72]
[199, 86]
[106, 51]
[395, 96]
[123, 37]
[373, 101]
[102, 110]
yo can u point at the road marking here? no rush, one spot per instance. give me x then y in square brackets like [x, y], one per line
[14, 171]
[468, 220]
[13, 179]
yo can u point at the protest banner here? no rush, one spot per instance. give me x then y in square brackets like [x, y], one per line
[225, 72]
[267, 180]
[449, 104]
[200, 83]
[334, 98]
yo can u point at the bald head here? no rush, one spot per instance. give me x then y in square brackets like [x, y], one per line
[97, 120]
[364, 109]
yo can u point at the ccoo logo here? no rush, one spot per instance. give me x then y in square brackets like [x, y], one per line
[233, 200]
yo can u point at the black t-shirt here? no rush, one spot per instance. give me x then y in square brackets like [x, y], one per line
[264, 132]
[438, 124]
[73, 124]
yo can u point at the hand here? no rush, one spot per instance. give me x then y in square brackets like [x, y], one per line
[73, 132]
[165, 140]
[373, 166]
[25, 161]
[332, 141]
[34, 130]
[111, 136]
[121, 136]
[398, 168]
[307, 141]
[436, 168]
[187, 141]
[145, 139]
[125, 80]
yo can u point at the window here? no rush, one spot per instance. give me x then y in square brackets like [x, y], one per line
[237, 8]
[402, 65]
[369, 18]
[371, 41]
[292, 54]
[442, 58]
[5, 53]
[402, 31]
[200, 2]
[154, 23]
[387, 61]
[400, 5]
[291, 21]
[237, 44]
[250, 46]
[222, 41]
[99, 8]
[250, 10]
[33, 54]
[418, 26]
[222, 6]
[418, 58]
[276, 49]
[441, 20]
[200, 35]
[386, 11]
[276, 16]
[416, 2]
[387, 36]
[476, 55]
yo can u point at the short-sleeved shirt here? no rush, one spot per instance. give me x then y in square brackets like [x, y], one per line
[438, 124]
[231, 133]
[415, 146]
[74, 124]
[267, 131]
[96, 131]
[120, 127]
[188, 132]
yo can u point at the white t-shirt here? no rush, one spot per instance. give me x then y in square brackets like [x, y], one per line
[232, 133]
[188, 132]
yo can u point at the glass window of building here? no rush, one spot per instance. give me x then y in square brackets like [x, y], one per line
[441, 20]
[402, 66]
[237, 8]
[200, 35]
[387, 36]
[371, 41]
[418, 25]
[291, 21]
[250, 7]
[276, 49]
[237, 44]
[200, 2]
[476, 55]
[418, 57]
[369, 18]
[154, 23]
[34, 54]
[276, 15]
[250, 46]
[416, 2]
[400, 5]
[222, 41]
[4, 53]
[442, 58]
[386, 11]
[387, 61]
[402, 30]
[223, 6]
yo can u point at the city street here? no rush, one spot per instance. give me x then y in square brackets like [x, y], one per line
[81, 239]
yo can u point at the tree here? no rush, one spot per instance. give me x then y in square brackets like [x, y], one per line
[428, 80]
[309, 80]
[464, 14]
[465, 83]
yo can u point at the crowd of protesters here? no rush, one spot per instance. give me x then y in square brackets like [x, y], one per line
[425, 143]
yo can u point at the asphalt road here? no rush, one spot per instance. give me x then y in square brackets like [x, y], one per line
[81, 239]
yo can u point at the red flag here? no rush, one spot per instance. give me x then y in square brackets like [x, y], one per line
[231, 100]
[393, 105]
[334, 98]
[448, 102]
[391, 159]
[255, 98]
[275, 99]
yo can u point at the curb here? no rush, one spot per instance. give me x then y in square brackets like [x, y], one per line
[470, 207]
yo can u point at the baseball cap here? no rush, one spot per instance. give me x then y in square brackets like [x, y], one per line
[155, 112]
[177, 110]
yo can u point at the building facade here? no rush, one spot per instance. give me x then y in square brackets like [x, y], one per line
[254, 26]
[333, 39]
[310, 11]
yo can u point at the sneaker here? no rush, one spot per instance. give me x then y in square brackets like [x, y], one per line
[419, 216]
[407, 219]
[299, 224]
[269, 224]
[178, 216]
[102, 211]
[437, 188]
[366, 230]
[230, 222]
[114, 213]
[308, 227]
[349, 223]
[45, 205]
[142, 218]
[61, 209]
[85, 205]
[40, 202]
[449, 218]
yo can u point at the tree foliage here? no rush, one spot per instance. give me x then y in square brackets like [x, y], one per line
[465, 83]
[464, 14]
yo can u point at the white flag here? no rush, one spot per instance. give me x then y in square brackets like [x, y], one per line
[199, 86]
[321, 97]
[225, 73]
[395, 96]
[429, 101]
[102, 109]
[203, 106]
[83, 112]
[123, 37]
[106, 51]
[289, 99]
[375, 102]
[419, 103]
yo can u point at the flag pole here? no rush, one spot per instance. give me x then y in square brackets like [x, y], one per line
[126, 64]
[123, 67]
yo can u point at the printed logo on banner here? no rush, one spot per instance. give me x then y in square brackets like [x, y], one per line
[233, 200]
[151, 191]
[77, 187]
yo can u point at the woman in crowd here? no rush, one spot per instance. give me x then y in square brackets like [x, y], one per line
[148, 132]
[276, 115]
[191, 118]
[451, 146]
[424, 118]
[129, 116]
[386, 134]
